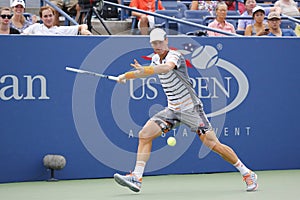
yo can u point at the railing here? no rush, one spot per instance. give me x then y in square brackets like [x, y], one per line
[294, 19]
[168, 18]
[171, 19]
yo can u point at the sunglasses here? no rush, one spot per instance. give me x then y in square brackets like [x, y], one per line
[46, 16]
[6, 16]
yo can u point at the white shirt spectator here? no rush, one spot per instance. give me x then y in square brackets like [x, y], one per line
[41, 29]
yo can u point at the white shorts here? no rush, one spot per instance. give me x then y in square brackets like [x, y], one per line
[150, 21]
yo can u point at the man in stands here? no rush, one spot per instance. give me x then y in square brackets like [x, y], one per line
[145, 21]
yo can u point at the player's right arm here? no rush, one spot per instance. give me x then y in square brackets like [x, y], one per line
[142, 71]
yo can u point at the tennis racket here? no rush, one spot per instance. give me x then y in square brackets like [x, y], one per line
[80, 71]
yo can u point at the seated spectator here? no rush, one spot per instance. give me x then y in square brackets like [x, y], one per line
[18, 20]
[47, 15]
[145, 21]
[220, 22]
[288, 7]
[249, 5]
[274, 21]
[258, 28]
[5, 18]
[231, 5]
[210, 6]
[70, 6]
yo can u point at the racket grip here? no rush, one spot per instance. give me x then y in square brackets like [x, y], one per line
[114, 78]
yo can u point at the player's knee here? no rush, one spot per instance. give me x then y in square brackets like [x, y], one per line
[144, 137]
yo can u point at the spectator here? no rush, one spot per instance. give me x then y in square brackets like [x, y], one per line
[274, 21]
[231, 5]
[70, 6]
[47, 15]
[220, 22]
[258, 28]
[18, 20]
[5, 20]
[145, 21]
[288, 7]
[210, 6]
[250, 4]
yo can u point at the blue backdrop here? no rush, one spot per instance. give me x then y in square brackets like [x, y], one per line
[249, 87]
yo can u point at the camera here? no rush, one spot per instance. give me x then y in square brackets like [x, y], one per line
[86, 4]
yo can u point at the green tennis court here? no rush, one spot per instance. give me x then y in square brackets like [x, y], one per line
[279, 184]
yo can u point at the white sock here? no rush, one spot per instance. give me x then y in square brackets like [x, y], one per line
[241, 167]
[139, 169]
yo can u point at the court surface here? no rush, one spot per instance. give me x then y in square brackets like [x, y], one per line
[283, 185]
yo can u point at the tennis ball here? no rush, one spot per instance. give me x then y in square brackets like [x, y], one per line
[171, 141]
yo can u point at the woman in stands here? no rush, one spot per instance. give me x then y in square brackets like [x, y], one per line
[209, 6]
[288, 7]
[259, 28]
[5, 17]
[18, 20]
[220, 22]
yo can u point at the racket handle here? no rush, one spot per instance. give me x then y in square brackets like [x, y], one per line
[114, 78]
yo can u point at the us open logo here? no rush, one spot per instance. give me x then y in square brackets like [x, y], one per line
[108, 119]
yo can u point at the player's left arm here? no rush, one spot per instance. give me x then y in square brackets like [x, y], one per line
[144, 71]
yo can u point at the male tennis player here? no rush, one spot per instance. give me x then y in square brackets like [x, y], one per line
[183, 107]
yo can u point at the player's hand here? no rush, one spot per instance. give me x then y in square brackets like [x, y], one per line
[138, 67]
[122, 79]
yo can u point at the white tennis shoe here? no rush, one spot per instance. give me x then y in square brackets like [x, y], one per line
[251, 181]
[130, 181]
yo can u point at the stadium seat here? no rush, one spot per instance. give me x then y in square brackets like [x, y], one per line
[175, 5]
[287, 24]
[233, 22]
[233, 13]
[196, 14]
[160, 22]
[184, 28]
[240, 32]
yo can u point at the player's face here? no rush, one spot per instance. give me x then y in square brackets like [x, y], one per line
[160, 47]
[48, 18]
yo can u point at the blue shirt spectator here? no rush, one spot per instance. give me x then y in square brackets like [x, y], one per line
[274, 21]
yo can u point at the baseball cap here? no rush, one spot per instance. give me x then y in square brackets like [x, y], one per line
[157, 34]
[274, 15]
[18, 2]
[257, 8]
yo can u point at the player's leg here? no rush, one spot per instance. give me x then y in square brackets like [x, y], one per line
[210, 140]
[197, 120]
[134, 180]
[227, 153]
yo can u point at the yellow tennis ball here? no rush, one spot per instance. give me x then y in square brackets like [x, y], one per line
[171, 141]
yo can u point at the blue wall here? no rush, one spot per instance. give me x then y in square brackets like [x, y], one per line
[249, 86]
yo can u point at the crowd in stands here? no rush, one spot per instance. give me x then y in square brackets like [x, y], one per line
[251, 18]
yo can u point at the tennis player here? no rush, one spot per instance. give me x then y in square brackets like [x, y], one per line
[183, 107]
